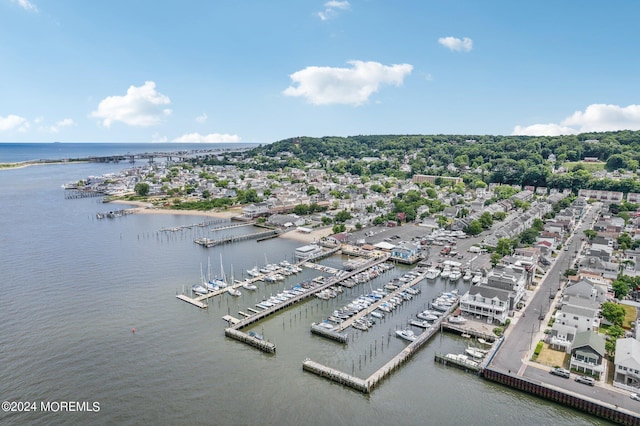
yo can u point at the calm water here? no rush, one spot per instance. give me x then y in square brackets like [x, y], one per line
[17, 152]
[73, 287]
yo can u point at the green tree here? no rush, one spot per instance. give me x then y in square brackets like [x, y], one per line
[141, 189]
[590, 234]
[474, 228]
[495, 259]
[342, 216]
[504, 246]
[620, 287]
[486, 220]
[613, 312]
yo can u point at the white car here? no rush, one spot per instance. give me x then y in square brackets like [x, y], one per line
[635, 396]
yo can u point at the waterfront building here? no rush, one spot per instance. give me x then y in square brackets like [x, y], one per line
[308, 251]
[255, 210]
[487, 303]
[627, 364]
[587, 353]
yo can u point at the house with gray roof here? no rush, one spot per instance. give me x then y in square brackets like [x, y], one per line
[490, 304]
[587, 353]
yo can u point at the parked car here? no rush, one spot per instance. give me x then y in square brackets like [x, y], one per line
[558, 371]
[635, 396]
[586, 380]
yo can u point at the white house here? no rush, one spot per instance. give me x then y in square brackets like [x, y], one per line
[627, 364]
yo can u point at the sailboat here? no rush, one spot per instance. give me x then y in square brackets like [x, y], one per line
[217, 281]
[231, 290]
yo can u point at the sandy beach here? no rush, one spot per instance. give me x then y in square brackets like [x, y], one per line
[147, 208]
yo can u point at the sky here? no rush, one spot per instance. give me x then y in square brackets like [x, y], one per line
[267, 70]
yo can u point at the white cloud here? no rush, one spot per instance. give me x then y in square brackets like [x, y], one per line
[67, 122]
[602, 118]
[142, 106]
[595, 118]
[331, 8]
[459, 45]
[27, 5]
[157, 138]
[202, 118]
[549, 129]
[210, 138]
[13, 121]
[351, 86]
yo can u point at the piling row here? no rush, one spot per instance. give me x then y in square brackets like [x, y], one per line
[335, 375]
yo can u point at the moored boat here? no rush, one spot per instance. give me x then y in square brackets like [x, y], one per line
[406, 334]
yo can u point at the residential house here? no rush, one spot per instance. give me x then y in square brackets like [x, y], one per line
[587, 290]
[627, 364]
[488, 303]
[587, 353]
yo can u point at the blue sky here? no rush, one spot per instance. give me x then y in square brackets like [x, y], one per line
[265, 70]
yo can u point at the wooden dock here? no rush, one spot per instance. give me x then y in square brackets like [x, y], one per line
[461, 329]
[208, 242]
[467, 365]
[194, 302]
[263, 345]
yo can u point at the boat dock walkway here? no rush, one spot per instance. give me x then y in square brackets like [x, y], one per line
[194, 302]
[208, 242]
[322, 268]
[235, 225]
[367, 385]
[463, 363]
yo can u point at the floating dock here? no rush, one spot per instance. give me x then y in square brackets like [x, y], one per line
[455, 359]
[191, 301]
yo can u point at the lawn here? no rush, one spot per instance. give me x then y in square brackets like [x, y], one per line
[589, 166]
[629, 316]
[552, 358]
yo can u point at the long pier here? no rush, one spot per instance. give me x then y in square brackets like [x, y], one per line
[207, 242]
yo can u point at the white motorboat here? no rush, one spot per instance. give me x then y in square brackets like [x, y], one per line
[477, 278]
[455, 274]
[421, 324]
[446, 272]
[427, 317]
[457, 319]
[467, 276]
[406, 334]
[475, 352]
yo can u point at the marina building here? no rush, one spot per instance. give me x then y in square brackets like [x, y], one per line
[308, 251]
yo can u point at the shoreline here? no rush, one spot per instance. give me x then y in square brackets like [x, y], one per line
[142, 207]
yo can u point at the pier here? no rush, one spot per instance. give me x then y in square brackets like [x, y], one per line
[463, 363]
[208, 242]
[194, 302]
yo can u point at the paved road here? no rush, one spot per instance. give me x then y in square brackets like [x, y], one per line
[527, 330]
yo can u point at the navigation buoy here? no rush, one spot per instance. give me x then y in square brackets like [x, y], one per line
[133, 330]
